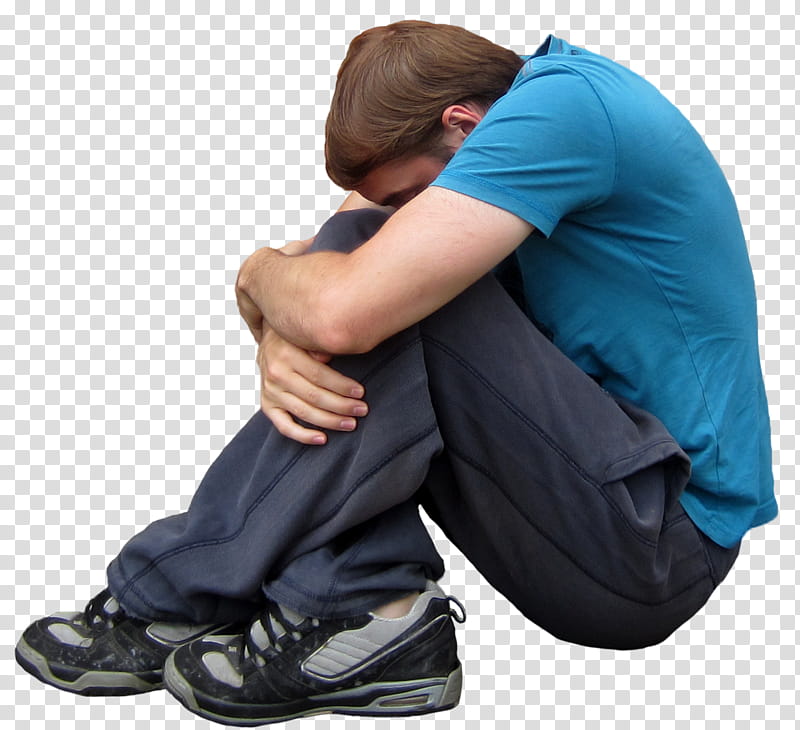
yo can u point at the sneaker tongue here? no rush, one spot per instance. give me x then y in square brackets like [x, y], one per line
[279, 627]
[103, 608]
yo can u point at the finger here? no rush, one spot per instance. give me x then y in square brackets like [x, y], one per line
[307, 402]
[303, 411]
[285, 375]
[288, 427]
[330, 379]
[321, 399]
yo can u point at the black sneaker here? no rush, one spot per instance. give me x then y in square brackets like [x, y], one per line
[101, 651]
[286, 666]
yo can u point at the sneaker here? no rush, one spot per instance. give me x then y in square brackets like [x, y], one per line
[101, 651]
[285, 666]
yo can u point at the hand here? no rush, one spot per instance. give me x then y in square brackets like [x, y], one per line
[299, 385]
[248, 309]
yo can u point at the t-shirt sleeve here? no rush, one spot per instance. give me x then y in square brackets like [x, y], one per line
[543, 151]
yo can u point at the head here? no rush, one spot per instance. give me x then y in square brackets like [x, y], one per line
[410, 91]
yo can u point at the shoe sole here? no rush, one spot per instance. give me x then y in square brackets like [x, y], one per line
[90, 683]
[413, 697]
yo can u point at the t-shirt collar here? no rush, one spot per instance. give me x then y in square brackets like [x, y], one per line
[551, 45]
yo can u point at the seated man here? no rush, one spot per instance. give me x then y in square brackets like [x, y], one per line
[551, 345]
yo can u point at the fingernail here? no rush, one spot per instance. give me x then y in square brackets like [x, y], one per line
[357, 392]
[318, 440]
[348, 424]
[360, 411]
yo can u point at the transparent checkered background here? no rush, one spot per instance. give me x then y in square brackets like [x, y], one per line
[146, 148]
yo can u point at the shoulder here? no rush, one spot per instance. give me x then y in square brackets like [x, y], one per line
[563, 77]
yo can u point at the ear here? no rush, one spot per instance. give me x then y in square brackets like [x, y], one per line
[458, 121]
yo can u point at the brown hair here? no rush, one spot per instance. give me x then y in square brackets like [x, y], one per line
[393, 86]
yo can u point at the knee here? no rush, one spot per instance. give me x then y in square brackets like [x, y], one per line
[347, 230]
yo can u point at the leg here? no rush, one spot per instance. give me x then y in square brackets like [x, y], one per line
[267, 501]
[566, 500]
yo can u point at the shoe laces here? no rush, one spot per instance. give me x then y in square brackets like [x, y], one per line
[272, 630]
[276, 627]
[103, 611]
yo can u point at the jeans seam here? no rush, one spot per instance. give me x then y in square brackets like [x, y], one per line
[152, 564]
[543, 435]
[483, 470]
[636, 454]
[355, 551]
[521, 416]
[420, 436]
[712, 570]
[393, 355]
[156, 613]
[288, 591]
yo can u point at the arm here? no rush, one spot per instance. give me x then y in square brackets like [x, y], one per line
[297, 384]
[427, 253]
[250, 312]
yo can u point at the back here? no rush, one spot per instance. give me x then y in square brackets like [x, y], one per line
[640, 271]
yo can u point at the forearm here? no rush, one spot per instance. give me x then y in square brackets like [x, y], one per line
[272, 280]
[259, 283]
[428, 252]
[300, 394]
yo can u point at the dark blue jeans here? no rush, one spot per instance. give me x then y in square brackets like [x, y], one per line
[563, 497]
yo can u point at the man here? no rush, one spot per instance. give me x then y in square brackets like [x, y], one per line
[593, 434]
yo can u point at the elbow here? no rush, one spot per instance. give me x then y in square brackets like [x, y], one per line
[341, 330]
[340, 337]
[344, 344]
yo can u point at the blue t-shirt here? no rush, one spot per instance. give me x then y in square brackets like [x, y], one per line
[638, 267]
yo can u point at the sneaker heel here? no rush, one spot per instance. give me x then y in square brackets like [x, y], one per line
[442, 696]
[452, 690]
